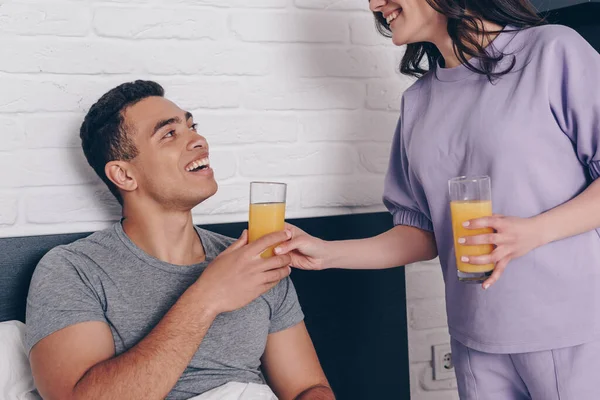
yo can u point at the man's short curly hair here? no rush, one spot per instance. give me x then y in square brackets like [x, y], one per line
[103, 131]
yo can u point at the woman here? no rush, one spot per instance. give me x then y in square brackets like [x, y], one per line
[506, 97]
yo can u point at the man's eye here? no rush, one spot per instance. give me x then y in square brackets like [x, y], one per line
[194, 127]
[169, 134]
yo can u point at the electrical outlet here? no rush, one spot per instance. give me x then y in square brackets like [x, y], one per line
[442, 362]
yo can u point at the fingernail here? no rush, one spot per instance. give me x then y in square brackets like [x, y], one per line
[464, 259]
[486, 286]
[462, 240]
[466, 223]
[290, 269]
[276, 250]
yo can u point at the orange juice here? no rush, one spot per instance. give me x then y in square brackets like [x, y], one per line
[464, 211]
[265, 218]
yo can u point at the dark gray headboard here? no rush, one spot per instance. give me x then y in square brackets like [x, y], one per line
[18, 258]
[356, 319]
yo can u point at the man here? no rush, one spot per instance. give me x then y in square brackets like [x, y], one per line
[154, 307]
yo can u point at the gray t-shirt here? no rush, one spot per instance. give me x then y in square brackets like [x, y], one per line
[106, 277]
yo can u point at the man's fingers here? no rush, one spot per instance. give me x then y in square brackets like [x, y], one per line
[275, 262]
[275, 275]
[238, 244]
[262, 244]
[268, 286]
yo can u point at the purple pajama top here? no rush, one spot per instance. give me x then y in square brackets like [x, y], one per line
[536, 133]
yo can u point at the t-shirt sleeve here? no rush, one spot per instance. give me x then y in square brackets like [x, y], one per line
[574, 92]
[286, 308]
[399, 195]
[60, 295]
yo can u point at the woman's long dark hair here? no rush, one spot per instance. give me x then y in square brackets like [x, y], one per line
[465, 27]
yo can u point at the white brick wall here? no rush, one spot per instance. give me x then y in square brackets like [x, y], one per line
[427, 326]
[298, 90]
[303, 91]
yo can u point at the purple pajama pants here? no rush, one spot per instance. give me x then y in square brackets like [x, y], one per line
[572, 373]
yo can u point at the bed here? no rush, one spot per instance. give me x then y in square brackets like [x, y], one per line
[357, 319]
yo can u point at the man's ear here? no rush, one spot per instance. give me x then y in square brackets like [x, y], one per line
[121, 174]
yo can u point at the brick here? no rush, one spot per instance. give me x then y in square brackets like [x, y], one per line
[361, 125]
[289, 27]
[230, 198]
[233, 198]
[344, 62]
[228, 128]
[13, 135]
[424, 284]
[71, 204]
[342, 192]
[387, 95]
[53, 93]
[52, 55]
[9, 208]
[196, 94]
[375, 157]
[21, 55]
[45, 167]
[304, 95]
[166, 23]
[333, 4]
[427, 313]
[420, 343]
[364, 32]
[299, 160]
[231, 3]
[224, 163]
[205, 59]
[50, 130]
[45, 18]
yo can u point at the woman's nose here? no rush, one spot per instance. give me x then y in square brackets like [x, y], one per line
[377, 5]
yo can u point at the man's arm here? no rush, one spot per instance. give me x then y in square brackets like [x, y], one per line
[292, 368]
[78, 362]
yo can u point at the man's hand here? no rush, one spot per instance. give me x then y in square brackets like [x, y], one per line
[239, 274]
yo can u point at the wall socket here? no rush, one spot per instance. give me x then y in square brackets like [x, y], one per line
[443, 368]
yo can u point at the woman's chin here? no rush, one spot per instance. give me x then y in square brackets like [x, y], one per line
[399, 40]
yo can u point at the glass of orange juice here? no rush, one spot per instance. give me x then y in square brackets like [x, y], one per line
[470, 198]
[267, 211]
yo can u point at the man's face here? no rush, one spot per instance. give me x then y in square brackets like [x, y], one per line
[171, 167]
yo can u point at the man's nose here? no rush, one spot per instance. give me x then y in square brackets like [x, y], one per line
[198, 142]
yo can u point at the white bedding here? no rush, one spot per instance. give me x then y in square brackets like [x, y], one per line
[16, 381]
[238, 391]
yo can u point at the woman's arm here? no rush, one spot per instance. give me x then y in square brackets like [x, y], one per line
[400, 245]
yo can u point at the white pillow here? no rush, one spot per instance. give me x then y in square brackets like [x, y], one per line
[16, 381]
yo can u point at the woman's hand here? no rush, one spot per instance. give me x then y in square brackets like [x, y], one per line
[307, 252]
[513, 238]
